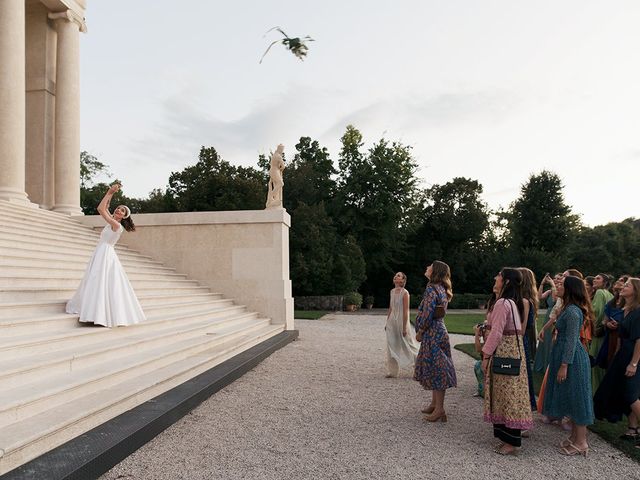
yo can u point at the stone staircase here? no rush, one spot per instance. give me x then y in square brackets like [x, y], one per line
[58, 378]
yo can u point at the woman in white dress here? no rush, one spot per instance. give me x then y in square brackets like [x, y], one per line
[402, 348]
[105, 296]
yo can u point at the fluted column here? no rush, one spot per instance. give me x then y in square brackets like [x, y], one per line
[12, 101]
[67, 117]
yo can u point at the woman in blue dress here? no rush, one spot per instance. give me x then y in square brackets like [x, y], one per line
[434, 367]
[568, 392]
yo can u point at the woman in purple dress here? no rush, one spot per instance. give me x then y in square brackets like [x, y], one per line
[434, 366]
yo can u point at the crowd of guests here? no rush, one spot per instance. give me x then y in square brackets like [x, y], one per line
[588, 350]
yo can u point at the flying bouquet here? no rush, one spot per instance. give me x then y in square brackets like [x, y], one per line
[296, 45]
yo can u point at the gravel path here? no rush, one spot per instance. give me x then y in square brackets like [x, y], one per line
[320, 408]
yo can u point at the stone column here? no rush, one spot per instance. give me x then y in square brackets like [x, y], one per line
[67, 118]
[12, 101]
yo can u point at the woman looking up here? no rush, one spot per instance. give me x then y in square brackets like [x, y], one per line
[105, 296]
[506, 397]
[434, 367]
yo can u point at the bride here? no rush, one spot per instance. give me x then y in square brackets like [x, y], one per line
[105, 296]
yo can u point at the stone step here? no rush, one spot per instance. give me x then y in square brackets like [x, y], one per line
[17, 309]
[25, 294]
[17, 256]
[24, 400]
[81, 336]
[23, 441]
[76, 272]
[73, 245]
[77, 252]
[72, 279]
[47, 321]
[79, 233]
[21, 214]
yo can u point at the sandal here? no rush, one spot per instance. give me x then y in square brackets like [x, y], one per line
[631, 434]
[571, 450]
[566, 443]
[510, 451]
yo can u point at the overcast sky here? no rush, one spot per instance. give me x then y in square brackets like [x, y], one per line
[490, 90]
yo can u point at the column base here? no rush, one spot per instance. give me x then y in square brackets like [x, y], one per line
[68, 210]
[16, 196]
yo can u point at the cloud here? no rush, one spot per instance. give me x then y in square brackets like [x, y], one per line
[444, 110]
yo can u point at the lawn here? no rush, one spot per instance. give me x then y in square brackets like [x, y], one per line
[459, 322]
[309, 314]
[610, 432]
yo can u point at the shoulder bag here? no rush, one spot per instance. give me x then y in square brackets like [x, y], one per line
[507, 365]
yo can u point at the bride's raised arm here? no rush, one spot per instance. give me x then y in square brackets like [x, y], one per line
[103, 208]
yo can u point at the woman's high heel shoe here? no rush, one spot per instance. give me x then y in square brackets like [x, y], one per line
[440, 417]
[572, 450]
[428, 410]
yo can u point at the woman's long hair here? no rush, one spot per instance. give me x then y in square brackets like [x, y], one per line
[128, 224]
[635, 300]
[512, 289]
[529, 289]
[441, 274]
[575, 293]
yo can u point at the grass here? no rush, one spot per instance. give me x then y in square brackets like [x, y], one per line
[459, 322]
[309, 314]
[609, 432]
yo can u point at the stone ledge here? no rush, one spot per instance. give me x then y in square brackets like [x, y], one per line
[198, 218]
[95, 452]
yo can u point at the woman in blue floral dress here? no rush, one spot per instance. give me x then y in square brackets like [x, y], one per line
[434, 366]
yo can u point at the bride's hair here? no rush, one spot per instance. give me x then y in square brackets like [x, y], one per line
[128, 224]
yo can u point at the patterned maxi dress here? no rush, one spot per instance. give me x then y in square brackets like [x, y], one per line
[506, 398]
[434, 366]
[571, 398]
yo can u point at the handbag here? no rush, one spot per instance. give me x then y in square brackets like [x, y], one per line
[508, 365]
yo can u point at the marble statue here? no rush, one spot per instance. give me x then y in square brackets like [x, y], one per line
[274, 195]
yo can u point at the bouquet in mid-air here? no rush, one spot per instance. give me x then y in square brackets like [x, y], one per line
[296, 45]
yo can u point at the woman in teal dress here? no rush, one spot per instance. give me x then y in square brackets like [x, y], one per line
[568, 392]
[543, 353]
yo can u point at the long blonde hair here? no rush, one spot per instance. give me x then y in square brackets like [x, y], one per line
[441, 274]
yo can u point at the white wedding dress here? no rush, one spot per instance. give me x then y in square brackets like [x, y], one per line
[105, 296]
[401, 350]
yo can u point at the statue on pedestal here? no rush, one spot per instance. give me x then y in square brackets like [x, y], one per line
[274, 194]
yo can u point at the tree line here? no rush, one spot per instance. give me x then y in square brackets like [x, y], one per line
[353, 226]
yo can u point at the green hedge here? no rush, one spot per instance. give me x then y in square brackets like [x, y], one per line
[459, 300]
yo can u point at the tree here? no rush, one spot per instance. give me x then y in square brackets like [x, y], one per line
[611, 248]
[322, 262]
[214, 184]
[90, 168]
[309, 176]
[453, 227]
[375, 198]
[541, 225]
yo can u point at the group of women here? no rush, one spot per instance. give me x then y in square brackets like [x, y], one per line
[588, 349]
